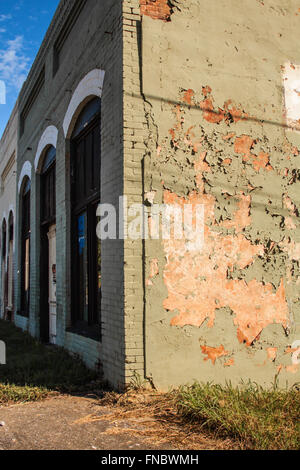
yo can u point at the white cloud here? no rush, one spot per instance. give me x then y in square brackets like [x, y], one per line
[5, 17]
[14, 64]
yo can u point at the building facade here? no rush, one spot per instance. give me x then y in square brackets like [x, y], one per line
[171, 103]
[220, 83]
[8, 167]
[73, 92]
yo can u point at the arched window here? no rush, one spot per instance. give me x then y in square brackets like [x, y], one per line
[4, 240]
[3, 269]
[48, 247]
[10, 261]
[85, 188]
[48, 186]
[25, 248]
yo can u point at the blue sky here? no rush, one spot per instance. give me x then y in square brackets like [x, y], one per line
[23, 24]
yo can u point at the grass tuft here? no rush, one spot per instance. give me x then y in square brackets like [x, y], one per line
[247, 417]
[33, 370]
[14, 394]
[260, 419]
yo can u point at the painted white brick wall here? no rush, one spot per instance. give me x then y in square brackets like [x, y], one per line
[8, 148]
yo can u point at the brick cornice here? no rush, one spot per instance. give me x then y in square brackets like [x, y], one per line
[56, 24]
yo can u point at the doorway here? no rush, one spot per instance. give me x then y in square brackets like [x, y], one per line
[51, 235]
[4, 270]
[48, 249]
[10, 264]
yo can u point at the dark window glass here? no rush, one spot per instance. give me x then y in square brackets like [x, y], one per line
[10, 263]
[49, 159]
[86, 257]
[82, 254]
[4, 240]
[48, 188]
[11, 227]
[25, 249]
[91, 110]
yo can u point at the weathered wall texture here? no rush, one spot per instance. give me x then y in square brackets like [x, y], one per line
[210, 98]
[8, 158]
[93, 44]
[135, 132]
[219, 135]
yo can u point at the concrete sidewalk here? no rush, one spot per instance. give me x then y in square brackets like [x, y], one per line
[79, 423]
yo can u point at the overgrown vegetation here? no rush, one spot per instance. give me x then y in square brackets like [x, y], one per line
[258, 418]
[33, 370]
[247, 417]
[227, 417]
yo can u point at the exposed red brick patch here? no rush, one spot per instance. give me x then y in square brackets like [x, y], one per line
[242, 217]
[288, 204]
[288, 222]
[293, 369]
[178, 126]
[188, 95]
[154, 271]
[243, 145]
[188, 274]
[154, 267]
[200, 166]
[272, 353]
[261, 161]
[214, 353]
[292, 248]
[229, 112]
[189, 139]
[199, 282]
[156, 9]
[290, 350]
[206, 90]
[236, 114]
[210, 114]
[229, 363]
[228, 136]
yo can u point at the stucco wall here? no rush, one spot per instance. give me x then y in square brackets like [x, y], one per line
[213, 84]
[199, 106]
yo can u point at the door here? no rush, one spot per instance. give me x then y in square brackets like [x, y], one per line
[3, 274]
[52, 283]
[10, 275]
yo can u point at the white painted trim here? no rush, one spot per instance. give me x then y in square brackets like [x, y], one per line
[26, 171]
[12, 209]
[49, 137]
[4, 217]
[90, 85]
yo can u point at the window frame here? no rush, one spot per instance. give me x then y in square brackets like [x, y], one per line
[10, 254]
[86, 204]
[48, 182]
[4, 240]
[25, 240]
